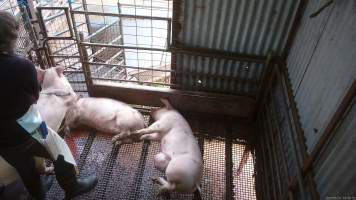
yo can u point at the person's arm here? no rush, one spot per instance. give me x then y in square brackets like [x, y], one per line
[30, 80]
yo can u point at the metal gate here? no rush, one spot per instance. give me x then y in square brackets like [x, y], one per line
[104, 44]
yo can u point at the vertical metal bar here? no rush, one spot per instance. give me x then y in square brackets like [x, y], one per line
[270, 157]
[41, 23]
[87, 20]
[122, 37]
[279, 142]
[169, 22]
[265, 73]
[197, 195]
[270, 133]
[281, 80]
[83, 60]
[85, 65]
[47, 52]
[229, 164]
[70, 27]
[32, 35]
[267, 193]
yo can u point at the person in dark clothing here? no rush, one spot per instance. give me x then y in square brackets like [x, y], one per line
[19, 90]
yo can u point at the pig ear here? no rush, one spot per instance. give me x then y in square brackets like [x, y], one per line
[40, 74]
[60, 70]
[166, 103]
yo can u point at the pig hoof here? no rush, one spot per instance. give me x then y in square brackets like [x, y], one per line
[155, 180]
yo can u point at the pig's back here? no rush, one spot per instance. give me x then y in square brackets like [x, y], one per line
[107, 114]
[180, 138]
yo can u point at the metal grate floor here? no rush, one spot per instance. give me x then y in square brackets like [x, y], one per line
[125, 172]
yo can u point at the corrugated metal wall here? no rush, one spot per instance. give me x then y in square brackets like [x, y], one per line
[322, 63]
[335, 173]
[322, 67]
[240, 26]
[279, 152]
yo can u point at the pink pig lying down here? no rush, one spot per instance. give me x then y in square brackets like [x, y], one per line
[105, 115]
[180, 156]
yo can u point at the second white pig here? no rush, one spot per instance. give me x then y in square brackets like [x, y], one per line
[180, 156]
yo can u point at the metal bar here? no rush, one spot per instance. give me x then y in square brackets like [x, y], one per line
[54, 16]
[168, 34]
[52, 8]
[147, 7]
[82, 52]
[64, 56]
[282, 79]
[87, 20]
[86, 67]
[121, 46]
[197, 195]
[267, 192]
[111, 70]
[218, 54]
[270, 157]
[64, 48]
[69, 23]
[58, 38]
[279, 141]
[120, 15]
[295, 26]
[65, 31]
[130, 67]
[108, 61]
[73, 72]
[265, 75]
[132, 81]
[103, 48]
[99, 31]
[42, 23]
[200, 102]
[272, 74]
[270, 141]
[121, 34]
[229, 165]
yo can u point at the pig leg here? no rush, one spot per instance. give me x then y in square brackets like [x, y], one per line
[165, 185]
[137, 134]
[161, 161]
[152, 136]
[154, 128]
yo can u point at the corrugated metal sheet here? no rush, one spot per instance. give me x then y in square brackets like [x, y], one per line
[335, 173]
[322, 64]
[242, 26]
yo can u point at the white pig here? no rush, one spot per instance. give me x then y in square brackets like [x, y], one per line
[56, 96]
[105, 115]
[180, 156]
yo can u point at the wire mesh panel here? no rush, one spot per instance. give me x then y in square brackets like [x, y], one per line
[213, 182]
[127, 172]
[96, 163]
[128, 40]
[123, 174]
[243, 177]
